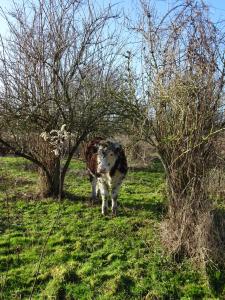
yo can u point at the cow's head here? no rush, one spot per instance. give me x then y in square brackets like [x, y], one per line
[107, 156]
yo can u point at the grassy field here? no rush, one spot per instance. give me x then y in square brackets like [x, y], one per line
[67, 250]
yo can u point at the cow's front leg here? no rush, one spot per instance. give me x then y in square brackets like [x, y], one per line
[104, 194]
[94, 185]
[115, 191]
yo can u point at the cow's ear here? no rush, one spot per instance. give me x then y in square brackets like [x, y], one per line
[118, 149]
[95, 148]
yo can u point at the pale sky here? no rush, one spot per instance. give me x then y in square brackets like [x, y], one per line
[217, 7]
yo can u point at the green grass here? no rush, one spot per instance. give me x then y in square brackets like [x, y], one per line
[88, 256]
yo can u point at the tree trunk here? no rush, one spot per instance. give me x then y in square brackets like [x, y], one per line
[51, 183]
[52, 175]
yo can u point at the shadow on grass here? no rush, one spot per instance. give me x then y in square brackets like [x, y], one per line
[216, 277]
[75, 198]
[4, 224]
[5, 182]
[216, 270]
[124, 284]
[29, 196]
[157, 209]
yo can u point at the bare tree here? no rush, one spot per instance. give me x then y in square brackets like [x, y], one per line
[57, 66]
[180, 114]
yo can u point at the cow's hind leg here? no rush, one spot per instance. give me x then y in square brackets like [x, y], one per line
[104, 195]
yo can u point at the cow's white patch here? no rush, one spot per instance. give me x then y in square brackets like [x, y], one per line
[104, 194]
[105, 160]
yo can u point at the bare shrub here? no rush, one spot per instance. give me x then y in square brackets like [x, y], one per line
[216, 187]
[57, 66]
[180, 114]
[186, 151]
[139, 153]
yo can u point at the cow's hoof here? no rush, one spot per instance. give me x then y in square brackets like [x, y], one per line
[114, 212]
[94, 201]
[104, 211]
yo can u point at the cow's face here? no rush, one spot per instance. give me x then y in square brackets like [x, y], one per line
[106, 158]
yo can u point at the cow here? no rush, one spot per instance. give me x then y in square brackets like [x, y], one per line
[107, 167]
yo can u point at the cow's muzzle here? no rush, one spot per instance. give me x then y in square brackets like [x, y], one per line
[102, 171]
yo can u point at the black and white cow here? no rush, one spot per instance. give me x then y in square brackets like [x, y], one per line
[107, 167]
